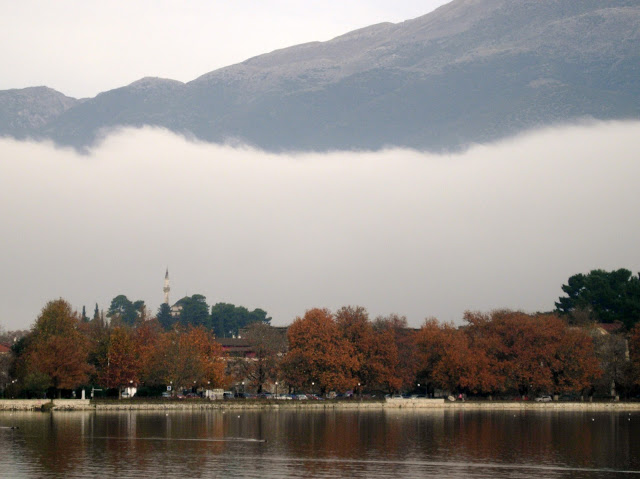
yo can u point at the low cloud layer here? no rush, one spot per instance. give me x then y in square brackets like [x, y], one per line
[398, 231]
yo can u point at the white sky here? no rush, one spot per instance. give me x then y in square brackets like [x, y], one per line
[499, 226]
[83, 47]
[397, 232]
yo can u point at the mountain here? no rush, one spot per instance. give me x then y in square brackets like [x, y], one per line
[23, 112]
[471, 71]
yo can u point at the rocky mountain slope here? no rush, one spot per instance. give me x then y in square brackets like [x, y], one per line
[471, 71]
[23, 112]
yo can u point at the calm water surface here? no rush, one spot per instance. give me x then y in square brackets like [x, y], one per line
[270, 444]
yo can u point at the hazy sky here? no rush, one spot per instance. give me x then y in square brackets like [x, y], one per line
[83, 47]
[502, 225]
[403, 232]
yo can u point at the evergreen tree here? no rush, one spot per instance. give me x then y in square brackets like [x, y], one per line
[228, 319]
[122, 309]
[217, 322]
[609, 296]
[164, 317]
[195, 311]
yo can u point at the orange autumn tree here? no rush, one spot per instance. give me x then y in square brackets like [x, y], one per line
[506, 351]
[451, 360]
[97, 333]
[431, 342]
[575, 366]
[211, 357]
[534, 353]
[319, 354]
[375, 353]
[172, 362]
[187, 358]
[121, 366]
[525, 348]
[268, 345]
[146, 338]
[468, 365]
[402, 341]
[384, 362]
[57, 348]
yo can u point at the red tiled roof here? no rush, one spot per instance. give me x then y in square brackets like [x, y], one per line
[4, 349]
[232, 342]
[611, 327]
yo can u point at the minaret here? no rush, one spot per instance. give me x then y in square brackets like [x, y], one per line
[166, 288]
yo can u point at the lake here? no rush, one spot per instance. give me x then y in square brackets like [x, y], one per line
[320, 444]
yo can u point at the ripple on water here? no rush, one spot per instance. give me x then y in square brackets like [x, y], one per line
[321, 445]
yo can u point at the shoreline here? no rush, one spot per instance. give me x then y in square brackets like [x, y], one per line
[60, 405]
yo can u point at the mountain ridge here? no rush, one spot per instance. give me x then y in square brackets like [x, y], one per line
[470, 71]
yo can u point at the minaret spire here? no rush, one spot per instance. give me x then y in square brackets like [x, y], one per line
[166, 287]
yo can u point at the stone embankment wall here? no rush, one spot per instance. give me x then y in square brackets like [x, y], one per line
[37, 404]
[287, 405]
[22, 404]
[530, 406]
[391, 404]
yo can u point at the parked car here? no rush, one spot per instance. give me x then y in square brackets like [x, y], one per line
[544, 398]
[569, 397]
[300, 397]
[166, 394]
[245, 396]
[227, 395]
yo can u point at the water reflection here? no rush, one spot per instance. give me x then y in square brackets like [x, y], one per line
[321, 444]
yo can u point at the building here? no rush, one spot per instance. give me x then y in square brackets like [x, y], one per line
[166, 287]
[176, 308]
[241, 347]
[236, 347]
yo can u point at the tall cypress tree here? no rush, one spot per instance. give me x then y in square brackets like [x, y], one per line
[164, 317]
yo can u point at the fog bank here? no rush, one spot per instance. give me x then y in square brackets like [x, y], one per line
[397, 231]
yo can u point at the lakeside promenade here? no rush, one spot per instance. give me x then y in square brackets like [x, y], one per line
[417, 404]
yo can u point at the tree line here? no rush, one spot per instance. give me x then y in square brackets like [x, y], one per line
[500, 353]
[224, 319]
[64, 352]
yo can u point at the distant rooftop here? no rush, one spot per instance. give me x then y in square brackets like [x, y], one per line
[611, 327]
